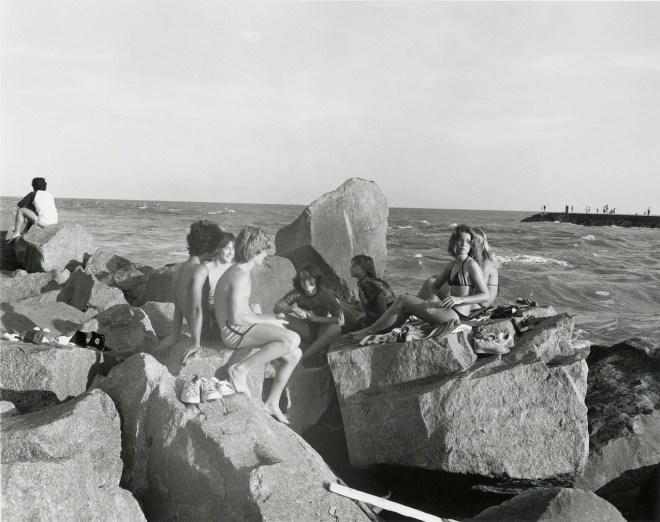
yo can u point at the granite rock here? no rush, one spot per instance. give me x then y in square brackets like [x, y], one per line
[58, 317]
[84, 292]
[350, 220]
[15, 288]
[161, 316]
[159, 286]
[271, 281]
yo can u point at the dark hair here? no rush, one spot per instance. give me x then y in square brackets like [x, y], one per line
[39, 184]
[203, 237]
[366, 263]
[308, 270]
[250, 242]
[455, 235]
[225, 239]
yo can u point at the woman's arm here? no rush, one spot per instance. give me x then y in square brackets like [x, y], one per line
[477, 276]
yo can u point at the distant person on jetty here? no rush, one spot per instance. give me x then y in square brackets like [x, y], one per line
[467, 287]
[37, 207]
[187, 285]
[217, 266]
[240, 326]
[375, 294]
[313, 312]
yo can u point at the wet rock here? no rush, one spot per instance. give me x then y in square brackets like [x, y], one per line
[519, 420]
[159, 286]
[623, 398]
[205, 464]
[127, 329]
[59, 318]
[64, 463]
[552, 504]
[84, 292]
[34, 377]
[161, 316]
[53, 248]
[357, 368]
[348, 221]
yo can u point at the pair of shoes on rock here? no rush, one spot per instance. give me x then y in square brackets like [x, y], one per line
[200, 389]
[493, 345]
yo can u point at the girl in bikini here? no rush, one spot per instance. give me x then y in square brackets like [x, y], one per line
[467, 287]
[484, 256]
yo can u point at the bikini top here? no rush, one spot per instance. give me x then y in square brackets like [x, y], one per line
[459, 279]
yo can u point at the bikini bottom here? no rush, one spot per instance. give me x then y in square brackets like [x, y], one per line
[233, 334]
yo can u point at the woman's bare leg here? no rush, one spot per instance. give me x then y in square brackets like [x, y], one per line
[327, 335]
[395, 313]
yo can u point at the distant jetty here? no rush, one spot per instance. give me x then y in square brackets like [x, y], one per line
[597, 220]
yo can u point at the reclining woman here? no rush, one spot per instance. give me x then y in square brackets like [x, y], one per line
[483, 255]
[466, 284]
[376, 295]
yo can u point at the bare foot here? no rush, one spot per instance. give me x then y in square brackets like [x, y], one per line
[238, 380]
[276, 413]
[189, 353]
[13, 236]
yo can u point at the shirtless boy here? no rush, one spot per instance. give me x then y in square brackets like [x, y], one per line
[241, 326]
[188, 282]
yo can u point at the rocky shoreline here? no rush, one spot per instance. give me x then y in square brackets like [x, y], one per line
[596, 220]
[553, 429]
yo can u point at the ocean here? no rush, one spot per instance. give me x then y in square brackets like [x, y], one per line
[607, 278]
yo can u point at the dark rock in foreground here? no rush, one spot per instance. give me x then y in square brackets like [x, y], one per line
[597, 220]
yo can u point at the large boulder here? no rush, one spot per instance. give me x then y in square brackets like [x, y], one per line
[552, 504]
[339, 225]
[161, 316]
[127, 329]
[550, 338]
[53, 248]
[519, 420]
[8, 259]
[34, 377]
[309, 392]
[271, 281]
[64, 464]
[159, 286]
[59, 318]
[623, 398]
[118, 272]
[358, 368]
[28, 285]
[201, 463]
[84, 292]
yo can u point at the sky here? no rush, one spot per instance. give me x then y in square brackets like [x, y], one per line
[495, 105]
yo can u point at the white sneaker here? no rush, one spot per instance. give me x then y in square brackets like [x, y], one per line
[191, 390]
[210, 391]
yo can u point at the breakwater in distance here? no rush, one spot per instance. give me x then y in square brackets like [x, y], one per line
[597, 220]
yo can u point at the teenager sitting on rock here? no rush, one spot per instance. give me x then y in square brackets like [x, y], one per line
[216, 267]
[240, 326]
[313, 312]
[38, 208]
[466, 283]
[375, 294]
[188, 283]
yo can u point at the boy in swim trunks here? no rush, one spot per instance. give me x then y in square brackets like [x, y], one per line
[240, 326]
[188, 282]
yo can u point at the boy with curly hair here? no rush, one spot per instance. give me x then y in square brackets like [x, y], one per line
[187, 284]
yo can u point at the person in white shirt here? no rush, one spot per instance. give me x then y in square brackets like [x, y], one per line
[37, 208]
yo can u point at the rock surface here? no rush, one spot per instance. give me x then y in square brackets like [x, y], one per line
[624, 419]
[550, 338]
[357, 368]
[271, 281]
[16, 288]
[309, 392]
[521, 420]
[53, 248]
[199, 463]
[126, 328]
[597, 220]
[59, 318]
[350, 220]
[84, 292]
[37, 376]
[63, 463]
[159, 286]
[552, 504]
[161, 316]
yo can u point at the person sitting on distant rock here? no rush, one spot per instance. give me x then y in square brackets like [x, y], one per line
[466, 284]
[188, 283]
[38, 208]
[216, 267]
[313, 312]
[241, 326]
[376, 294]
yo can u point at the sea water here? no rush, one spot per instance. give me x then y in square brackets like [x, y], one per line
[607, 278]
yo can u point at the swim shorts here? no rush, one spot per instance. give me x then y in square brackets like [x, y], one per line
[233, 334]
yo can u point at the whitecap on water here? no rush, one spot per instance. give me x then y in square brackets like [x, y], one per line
[404, 226]
[424, 222]
[589, 238]
[453, 225]
[526, 259]
[418, 255]
[602, 292]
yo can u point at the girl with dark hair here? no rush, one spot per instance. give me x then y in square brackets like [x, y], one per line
[38, 208]
[375, 294]
[217, 266]
[312, 311]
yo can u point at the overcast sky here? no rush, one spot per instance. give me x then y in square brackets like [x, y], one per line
[445, 105]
